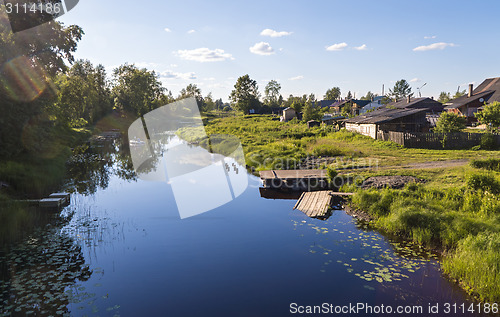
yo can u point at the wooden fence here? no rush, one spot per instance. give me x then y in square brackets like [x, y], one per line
[459, 140]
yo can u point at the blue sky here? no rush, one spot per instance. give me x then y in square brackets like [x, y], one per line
[309, 46]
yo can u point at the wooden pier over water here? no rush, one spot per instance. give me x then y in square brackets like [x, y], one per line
[294, 179]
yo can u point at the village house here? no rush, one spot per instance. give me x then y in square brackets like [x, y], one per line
[467, 105]
[432, 106]
[389, 119]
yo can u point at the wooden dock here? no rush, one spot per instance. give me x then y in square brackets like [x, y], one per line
[294, 179]
[316, 204]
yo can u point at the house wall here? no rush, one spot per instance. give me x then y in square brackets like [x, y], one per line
[368, 129]
[288, 114]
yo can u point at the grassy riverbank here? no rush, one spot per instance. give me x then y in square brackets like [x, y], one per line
[457, 211]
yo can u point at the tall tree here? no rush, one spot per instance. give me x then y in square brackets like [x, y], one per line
[193, 91]
[209, 103]
[332, 94]
[84, 94]
[369, 96]
[137, 90]
[245, 95]
[29, 62]
[444, 97]
[349, 95]
[459, 94]
[401, 90]
[272, 93]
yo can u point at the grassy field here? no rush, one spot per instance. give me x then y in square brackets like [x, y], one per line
[457, 210]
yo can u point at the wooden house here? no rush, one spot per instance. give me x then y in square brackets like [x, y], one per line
[387, 119]
[467, 105]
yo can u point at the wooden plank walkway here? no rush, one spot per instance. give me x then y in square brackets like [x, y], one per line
[314, 204]
[292, 174]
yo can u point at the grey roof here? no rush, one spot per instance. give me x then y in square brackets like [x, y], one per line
[489, 90]
[384, 115]
[418, 103]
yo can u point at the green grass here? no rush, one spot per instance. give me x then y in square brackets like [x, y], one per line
[269, 143]
[448, 219]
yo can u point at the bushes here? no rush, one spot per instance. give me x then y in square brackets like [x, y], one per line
[488, 142]
[484, 182]
[491, 164]
[326, 150]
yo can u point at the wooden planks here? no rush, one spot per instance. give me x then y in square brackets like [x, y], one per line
[292, 174]
[314, 204]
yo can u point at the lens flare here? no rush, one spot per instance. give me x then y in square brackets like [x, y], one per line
[23, 79]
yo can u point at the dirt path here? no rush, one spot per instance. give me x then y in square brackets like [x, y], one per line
[421, 165]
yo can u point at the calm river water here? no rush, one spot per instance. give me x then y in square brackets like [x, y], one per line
[121, 249]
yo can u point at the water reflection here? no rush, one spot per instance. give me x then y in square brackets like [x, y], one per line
[38, 274]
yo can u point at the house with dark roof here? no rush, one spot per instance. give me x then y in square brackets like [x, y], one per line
[487, 92]
[432, 106]
[389, 119]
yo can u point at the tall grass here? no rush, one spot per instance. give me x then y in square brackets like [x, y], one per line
[458, 220]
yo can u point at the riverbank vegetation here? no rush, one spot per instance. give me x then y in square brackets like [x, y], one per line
[457, 210]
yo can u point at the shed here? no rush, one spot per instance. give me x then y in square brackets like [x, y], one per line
[313, 123]
[288, 114]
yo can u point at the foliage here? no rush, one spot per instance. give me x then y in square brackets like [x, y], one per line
[459, 94]
[492, 164]
[332, 94]
[444, 97]
[245, 95]
[490, 115]
[401, 90]
[297, 106]
[84, 95]
[272, 93]
[484, 182]
[369, 96]
[137, 90]
[349, 95]
[488, 141]
[449, 122]
[36, 56]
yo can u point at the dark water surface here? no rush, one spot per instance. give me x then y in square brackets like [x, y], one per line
[122, 249]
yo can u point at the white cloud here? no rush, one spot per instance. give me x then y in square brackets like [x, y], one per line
[361, 48]
[191, 31]
[204, 54]
[336, 47]
[430, 37]
[435, 46]
[147, 65]
[296, 77]
[174, 75]
[273, 33]
[174, 65]
[168, 30]
[415, 80]
[262, 48]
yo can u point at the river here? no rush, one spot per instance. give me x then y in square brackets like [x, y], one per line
[121, 249]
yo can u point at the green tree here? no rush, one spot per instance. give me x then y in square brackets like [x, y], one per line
[272, 93]
[29, 63]
[490, 116]
[297, 106]
[449, 122]
[193, 91]
[401, 90]
[459, 94]
[209, 102]
[444, 97]
[349, 95]
[245, 95]
[137, 90]
[84, 94]
[369, 96]
[332, 94]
